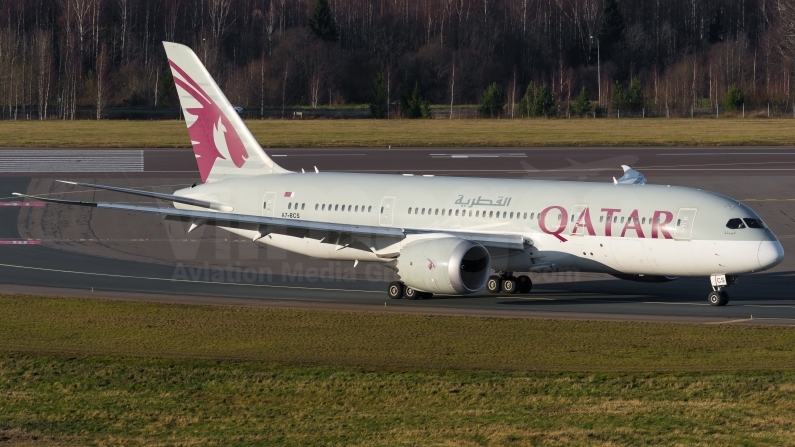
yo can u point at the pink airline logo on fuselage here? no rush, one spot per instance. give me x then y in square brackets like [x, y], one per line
[212, 134]
[659, 223]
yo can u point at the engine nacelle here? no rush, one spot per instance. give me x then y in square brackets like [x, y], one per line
[445, 265]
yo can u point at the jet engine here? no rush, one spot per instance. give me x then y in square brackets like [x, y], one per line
[445, 265]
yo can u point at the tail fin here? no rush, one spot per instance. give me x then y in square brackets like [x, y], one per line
[223, 145]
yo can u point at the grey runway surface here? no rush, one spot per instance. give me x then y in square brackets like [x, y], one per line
[70, 250]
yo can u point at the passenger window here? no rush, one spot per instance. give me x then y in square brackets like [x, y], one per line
[615, 219]
[289, 205]
[356, 209]
[525, 215]
[517, 215]
[303, 205]
[644, 220]
[477, 213]
[423, 211]
[491, 213]
[754, 223]
[678, 222]
[622, 219]
[532, 216]
[504, 214]
[436, 213]
[382, 210]
[450, 212]
[349, 207]
[316, 206]
[336, 207]
[601, 219]
[369, 209]
[735, 224]
[456, 213]
[470, 213]
[416, 210]
[409, 210]
[324, 207]
[636, 221]
[442, 211]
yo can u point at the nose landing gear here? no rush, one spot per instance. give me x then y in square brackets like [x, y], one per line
[719, 296]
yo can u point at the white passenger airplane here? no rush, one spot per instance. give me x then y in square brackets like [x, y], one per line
[444, 234]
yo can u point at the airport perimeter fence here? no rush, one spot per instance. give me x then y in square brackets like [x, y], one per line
[458, 112]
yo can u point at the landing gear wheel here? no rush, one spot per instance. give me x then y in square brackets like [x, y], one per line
[509, 284]
[425, 295]
[493, 284]
[716, 299]
[395, 290]
[524, 284]
[725, 295]
[410, 294]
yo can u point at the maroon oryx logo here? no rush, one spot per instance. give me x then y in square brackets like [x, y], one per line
[212, 135]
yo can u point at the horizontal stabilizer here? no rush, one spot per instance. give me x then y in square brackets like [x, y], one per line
[157, 195]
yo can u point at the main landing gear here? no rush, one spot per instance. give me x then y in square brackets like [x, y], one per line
[398, 290]
[719, 296]
[507, 283]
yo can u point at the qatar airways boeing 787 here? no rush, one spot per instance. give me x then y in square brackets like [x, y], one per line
[452, 235]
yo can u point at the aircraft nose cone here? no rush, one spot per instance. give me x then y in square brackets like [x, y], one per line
[770, 254]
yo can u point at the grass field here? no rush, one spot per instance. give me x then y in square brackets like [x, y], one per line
[416, 133]
[104, 372]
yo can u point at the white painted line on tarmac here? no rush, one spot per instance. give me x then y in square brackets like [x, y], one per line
[769, 307]
[109, 275]
[487, 155]
[732, 153]
[677, 304]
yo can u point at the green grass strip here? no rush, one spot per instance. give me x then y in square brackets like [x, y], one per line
[47, 400]
[415, 133]
[305, 337]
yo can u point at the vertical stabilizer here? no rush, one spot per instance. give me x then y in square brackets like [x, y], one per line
[223, 145]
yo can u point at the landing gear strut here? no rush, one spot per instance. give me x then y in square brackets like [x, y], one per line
[505, 282]
[719, 296]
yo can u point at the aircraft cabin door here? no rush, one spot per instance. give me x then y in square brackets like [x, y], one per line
[684, 224]
[269, 204]
[387, 211]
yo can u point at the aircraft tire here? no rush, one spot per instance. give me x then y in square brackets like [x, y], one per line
[410, 294]
[715, 298]
[493, 284]
[725, 295]
[509, 284]
[395, 290]
[524, 284]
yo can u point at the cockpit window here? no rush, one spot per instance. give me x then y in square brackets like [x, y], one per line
[735, 224]
[754, 223]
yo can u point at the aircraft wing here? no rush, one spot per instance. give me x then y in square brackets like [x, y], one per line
[300, 228]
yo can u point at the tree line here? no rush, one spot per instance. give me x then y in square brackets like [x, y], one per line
[512, 58]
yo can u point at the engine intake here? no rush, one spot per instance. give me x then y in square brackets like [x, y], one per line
[445, 265]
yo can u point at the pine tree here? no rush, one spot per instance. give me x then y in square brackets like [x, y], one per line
[378, 103]
[612, 24]
[733, 99]
[617, 98]
[581, 105]
[544, 103]
[526, 103]
[493, 101]
[412, 104]
[634, 97]
[322, 22]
